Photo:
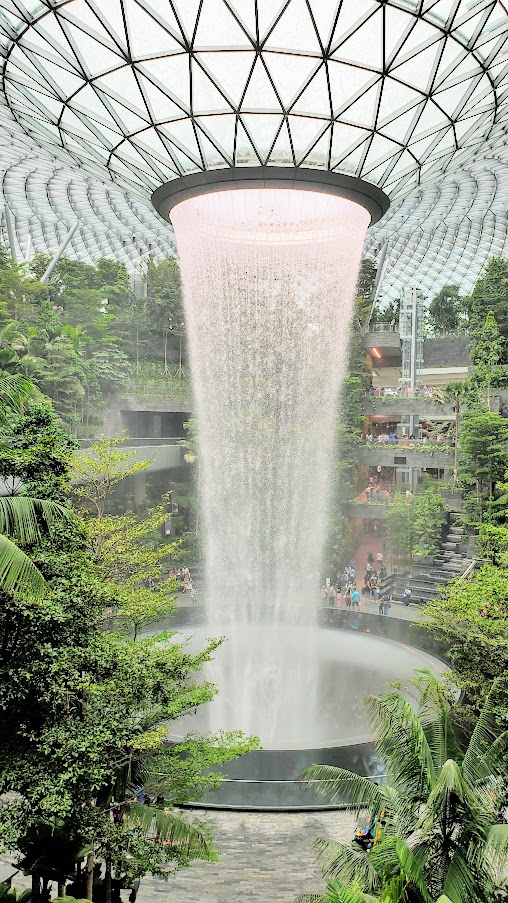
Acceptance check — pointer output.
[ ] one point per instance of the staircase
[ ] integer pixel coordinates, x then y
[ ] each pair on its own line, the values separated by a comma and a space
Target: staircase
428, 575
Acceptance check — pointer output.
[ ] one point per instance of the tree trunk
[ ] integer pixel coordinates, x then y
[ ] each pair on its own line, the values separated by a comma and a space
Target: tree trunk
456, 457
90, 862
36, 887
61, 888
107, 880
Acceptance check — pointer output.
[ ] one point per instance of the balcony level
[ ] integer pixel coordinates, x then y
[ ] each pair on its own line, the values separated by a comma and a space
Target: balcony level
382, 343
430, 456
392, 404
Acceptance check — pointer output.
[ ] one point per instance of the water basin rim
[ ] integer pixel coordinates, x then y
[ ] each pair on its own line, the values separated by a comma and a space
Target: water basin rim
369, 196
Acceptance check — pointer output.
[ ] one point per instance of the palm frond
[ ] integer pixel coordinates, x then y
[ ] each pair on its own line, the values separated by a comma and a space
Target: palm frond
496, 847
18, 574
336, 893
15, 389
345, 862
171, 828
312, 898
392, 856
486, 751
402, 743
340, 785
22, 517
444, 899
461, 884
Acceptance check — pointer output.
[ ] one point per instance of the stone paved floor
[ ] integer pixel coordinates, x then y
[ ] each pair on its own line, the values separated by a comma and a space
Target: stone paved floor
265, 858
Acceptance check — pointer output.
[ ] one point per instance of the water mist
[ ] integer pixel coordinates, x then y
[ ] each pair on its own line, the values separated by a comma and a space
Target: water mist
269, 278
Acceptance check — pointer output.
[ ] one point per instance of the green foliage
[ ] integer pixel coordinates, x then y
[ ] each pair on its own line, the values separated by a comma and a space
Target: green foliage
471, 617
9, 894
439, 824
445, 310
487, 353
490, 294
400, 532
483, 459
84, 713
102, 468
428, 519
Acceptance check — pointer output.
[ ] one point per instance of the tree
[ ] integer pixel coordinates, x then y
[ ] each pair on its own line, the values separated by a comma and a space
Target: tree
440, 833
164, 294
445, 310
102, 468
456, 392
490, 294
483, 459
488, 351
471, 618
401, 539
83, 725
428, 519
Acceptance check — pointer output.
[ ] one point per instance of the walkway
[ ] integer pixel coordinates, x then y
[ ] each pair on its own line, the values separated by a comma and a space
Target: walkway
265, 858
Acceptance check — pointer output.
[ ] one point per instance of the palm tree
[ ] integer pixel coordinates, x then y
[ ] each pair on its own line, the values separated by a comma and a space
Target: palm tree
21, 518
440, 833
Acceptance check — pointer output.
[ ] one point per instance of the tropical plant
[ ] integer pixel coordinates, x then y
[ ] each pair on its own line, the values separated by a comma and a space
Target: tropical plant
21, 518
456, 392
440, 833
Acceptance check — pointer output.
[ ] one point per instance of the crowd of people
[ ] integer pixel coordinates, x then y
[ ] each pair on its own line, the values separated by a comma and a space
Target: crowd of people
345, 589
404, 441
404, 391
183, 578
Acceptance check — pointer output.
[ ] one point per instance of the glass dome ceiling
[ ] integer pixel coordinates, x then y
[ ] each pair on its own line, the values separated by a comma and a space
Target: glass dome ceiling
144, 91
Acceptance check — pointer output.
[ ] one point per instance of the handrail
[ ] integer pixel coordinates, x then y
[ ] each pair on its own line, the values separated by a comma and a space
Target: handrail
471, 567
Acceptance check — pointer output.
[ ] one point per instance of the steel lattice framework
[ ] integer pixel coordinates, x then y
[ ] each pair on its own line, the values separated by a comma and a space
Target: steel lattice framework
395, 92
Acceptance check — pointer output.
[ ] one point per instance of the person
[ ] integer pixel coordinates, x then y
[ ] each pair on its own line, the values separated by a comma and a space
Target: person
387, 605
374, 591
339, 599
407, 596
368, 493
355, 597
347, 598
383, 573
379, 557
370, 558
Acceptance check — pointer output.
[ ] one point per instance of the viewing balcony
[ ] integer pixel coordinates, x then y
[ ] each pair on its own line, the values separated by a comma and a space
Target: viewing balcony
382, 343
164, 454
414, 454
387, 401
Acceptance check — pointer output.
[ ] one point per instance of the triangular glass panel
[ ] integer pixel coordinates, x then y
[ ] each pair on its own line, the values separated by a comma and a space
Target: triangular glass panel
452, 99
113, 19
171, 74
466, 27
380, 150
422, 147
262, 129
440, 12
294, 30
282, 154
345, 140
217, 28
304, 133
352, 12
124, 88
206, 98
150, 141
65, 82
187, 11
290, 73
352, 162
365, 46
221, 130
94, 56
164, 10
182, 132
396, 97
125, 118
421, 36
483, 91
397, 26
315, 98
463, 71
466, 127
161, 106
260, 94
245, 10
417, 71
363, 111
87, 100
229, 70
346, 82
398, 128
431, 120
324, 13
245, 153
146, 36
318, 156
213, 159
452, 55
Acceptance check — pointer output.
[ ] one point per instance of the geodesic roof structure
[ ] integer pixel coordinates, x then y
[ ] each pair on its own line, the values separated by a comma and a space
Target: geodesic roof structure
144, 91
45, 197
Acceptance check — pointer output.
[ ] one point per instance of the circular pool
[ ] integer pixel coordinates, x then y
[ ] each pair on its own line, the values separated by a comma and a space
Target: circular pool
326, 723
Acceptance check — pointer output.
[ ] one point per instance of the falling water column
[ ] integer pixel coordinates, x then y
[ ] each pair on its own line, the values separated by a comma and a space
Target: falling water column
269, 278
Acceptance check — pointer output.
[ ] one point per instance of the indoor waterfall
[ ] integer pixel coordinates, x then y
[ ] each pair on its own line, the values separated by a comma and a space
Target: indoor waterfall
269, 278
